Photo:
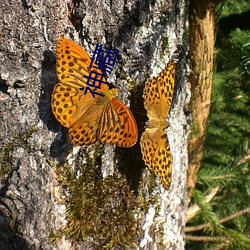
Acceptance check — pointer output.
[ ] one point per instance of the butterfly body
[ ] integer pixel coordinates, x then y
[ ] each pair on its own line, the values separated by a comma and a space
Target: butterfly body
157, 123
89, 117
108, 95
158, 93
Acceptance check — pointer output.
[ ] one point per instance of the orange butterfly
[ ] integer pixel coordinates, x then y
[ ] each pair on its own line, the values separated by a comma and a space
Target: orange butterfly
89, 119
158, 93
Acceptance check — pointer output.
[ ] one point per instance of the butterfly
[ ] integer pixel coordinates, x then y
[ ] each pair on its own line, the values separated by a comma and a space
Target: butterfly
89, 118
157, 94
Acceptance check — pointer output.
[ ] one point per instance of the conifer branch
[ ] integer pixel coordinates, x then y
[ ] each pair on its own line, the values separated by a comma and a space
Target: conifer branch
245, 159
205, 238
194, 209
230, 217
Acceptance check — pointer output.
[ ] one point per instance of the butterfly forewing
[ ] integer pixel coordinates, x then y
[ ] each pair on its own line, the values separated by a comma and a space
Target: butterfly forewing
62, 104
158, 92
73, 65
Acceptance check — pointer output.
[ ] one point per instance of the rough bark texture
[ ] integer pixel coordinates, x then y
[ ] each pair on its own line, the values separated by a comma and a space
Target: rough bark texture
201, 41
147, 34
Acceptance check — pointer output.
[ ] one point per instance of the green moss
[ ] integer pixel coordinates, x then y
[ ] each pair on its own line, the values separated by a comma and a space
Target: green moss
164, 45
28, 133
19, 140
105, 212
129, 83
123, 76
5, 160
195, 129
164, 10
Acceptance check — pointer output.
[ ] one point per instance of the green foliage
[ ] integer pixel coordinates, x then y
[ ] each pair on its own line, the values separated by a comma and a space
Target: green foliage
226, 153
230, 7
207, 211
218, 176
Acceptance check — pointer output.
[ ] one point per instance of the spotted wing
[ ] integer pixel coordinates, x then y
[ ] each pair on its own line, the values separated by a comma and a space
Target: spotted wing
69, 103
156, 154
85, 130
158, 93
117, 125
73, 65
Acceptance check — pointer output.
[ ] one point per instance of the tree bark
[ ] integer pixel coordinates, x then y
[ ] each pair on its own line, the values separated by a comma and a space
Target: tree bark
41, 170
201, 41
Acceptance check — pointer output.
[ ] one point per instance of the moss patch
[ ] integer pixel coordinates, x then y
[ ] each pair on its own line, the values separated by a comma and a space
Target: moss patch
103, 212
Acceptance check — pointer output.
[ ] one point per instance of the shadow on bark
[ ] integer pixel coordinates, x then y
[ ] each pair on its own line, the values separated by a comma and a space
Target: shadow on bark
61, 145
9, 239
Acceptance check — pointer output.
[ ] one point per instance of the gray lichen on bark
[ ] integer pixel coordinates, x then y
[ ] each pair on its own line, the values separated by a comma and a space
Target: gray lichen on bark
147, 34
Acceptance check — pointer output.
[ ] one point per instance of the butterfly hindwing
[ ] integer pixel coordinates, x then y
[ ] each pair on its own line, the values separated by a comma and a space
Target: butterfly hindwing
118, 125
156, 154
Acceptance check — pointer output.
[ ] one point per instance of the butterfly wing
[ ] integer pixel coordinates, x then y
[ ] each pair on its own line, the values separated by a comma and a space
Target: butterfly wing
85, 130
156, 153
69, 103
117, 125
73, 64
158, 93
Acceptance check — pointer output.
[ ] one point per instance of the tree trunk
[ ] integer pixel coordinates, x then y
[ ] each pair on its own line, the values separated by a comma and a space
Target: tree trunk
201, 40
54, 195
